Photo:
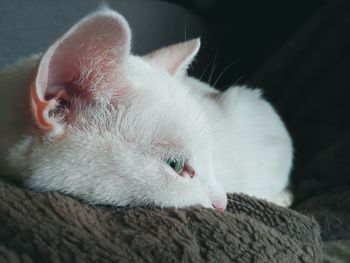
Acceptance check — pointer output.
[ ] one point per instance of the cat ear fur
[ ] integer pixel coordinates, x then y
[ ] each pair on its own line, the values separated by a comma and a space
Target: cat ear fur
80, 64
175, 59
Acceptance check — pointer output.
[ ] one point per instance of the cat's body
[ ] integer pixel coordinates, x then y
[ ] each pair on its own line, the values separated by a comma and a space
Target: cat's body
119, 129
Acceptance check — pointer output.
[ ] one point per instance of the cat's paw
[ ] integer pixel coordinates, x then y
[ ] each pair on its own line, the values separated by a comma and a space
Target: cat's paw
284, 198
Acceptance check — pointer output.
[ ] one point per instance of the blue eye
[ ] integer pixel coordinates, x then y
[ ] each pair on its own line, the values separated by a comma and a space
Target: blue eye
176, 165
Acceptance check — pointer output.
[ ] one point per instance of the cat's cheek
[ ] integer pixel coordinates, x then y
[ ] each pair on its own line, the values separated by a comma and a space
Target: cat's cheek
180, 191
166, 173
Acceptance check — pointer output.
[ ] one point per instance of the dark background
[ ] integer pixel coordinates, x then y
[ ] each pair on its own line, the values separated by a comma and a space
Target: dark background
248, 32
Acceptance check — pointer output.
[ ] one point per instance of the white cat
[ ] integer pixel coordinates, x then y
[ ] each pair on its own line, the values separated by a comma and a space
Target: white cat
92, 120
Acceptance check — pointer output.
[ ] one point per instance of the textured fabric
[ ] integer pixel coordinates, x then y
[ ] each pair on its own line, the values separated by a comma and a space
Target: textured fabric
50, 227
324, 193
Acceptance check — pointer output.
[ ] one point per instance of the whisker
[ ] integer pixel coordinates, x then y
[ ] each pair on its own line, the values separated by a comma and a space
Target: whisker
214, 64
225, 69
222, 95
239, 79
205, 69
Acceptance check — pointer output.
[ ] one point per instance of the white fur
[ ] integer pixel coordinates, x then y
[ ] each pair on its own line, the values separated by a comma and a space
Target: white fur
114, 152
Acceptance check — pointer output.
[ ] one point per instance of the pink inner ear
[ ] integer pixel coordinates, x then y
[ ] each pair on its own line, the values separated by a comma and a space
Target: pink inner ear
87, 61
175, 58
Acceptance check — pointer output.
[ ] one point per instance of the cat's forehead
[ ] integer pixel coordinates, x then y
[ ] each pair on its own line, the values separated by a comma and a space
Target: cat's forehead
160, 116
162, 126
144, 75
167, 120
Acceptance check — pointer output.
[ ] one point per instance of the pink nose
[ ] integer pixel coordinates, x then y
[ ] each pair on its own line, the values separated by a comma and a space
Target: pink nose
220, 205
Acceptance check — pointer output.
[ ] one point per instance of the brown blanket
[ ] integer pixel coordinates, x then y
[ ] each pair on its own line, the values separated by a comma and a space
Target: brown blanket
50, 227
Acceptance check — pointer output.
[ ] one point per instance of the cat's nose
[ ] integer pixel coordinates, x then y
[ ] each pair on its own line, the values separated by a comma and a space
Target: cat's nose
220, 204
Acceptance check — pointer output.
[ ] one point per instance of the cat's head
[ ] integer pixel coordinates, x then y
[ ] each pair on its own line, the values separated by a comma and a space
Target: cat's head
114, 128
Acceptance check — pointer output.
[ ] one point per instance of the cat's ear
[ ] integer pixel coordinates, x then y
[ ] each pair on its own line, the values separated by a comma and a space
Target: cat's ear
175, 58
83, 64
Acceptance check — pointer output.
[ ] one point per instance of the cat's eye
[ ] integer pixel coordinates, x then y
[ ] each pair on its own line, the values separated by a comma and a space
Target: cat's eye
181, 167
176, 164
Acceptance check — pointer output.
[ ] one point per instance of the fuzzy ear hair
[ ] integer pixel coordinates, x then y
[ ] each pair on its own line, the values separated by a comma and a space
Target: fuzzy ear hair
81, 64
175, 58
